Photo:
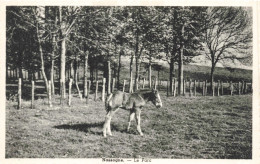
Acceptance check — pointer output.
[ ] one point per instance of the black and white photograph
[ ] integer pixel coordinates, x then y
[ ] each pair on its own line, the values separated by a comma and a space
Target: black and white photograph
127, 84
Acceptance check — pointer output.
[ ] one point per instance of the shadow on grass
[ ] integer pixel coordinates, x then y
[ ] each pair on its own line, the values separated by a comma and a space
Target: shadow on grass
87, 128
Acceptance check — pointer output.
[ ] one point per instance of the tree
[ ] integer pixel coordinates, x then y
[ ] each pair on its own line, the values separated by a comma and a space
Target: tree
87, 33
67, 19
22, 45
39, 25
228, 35
32, 25
52, 18
121, 39
142, 31
181, 31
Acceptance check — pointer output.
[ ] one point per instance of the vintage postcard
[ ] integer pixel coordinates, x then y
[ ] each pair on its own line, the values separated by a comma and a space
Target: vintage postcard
130, 82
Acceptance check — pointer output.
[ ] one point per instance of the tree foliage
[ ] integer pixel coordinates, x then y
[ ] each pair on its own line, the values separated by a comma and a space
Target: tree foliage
228, 35
93, 36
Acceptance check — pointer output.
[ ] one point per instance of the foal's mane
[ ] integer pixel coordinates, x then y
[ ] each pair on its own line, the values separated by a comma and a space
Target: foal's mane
146, 93
144, 90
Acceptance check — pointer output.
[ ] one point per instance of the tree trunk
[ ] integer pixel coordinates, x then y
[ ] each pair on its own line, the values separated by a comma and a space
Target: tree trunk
158, 76
63, 55
85, 91
96, 74
171, 72
63, 67
52, 77
91, 69
71, 69
212, 75
180, 62
150, 74
131, 74
108, 78
6, 72
16, 75
33, 75
115, 70
76, 78
137, 65
20, 72
43, 70
137, 58
42, 62
118, 69
20, 64
52, 65
53, 54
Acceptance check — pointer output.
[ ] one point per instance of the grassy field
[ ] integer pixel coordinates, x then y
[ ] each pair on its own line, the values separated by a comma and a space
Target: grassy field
196, 127
195, 72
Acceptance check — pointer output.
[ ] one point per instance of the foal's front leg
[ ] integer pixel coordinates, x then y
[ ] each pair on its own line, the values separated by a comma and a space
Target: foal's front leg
106, 124
138, 120
131, 117
106, 127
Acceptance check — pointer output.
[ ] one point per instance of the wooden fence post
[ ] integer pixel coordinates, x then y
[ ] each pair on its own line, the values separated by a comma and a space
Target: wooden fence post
70, 84
137, 85
15, 73
175, 85
195, 92
49, 94
155, 83
203, 88
172, 88
206, 88
167, 88
243, 86
190, 88
130, 86
19, 93
218, 87
213, 88
222, 89
113, 84
103, 89
27, 75
61, 93
184, 87
96, 94
88, 83
231, 88
124, 86
32, 102
143, 82
12, 74
239, 88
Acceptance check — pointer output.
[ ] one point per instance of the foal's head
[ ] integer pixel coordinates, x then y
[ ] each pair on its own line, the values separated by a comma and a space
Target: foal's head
156, 99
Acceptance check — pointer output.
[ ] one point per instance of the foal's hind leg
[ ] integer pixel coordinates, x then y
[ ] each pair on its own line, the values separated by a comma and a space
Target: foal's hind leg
138, 121
131, 117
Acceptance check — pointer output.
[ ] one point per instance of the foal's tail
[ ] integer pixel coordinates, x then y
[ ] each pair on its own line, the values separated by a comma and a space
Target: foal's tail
107, 106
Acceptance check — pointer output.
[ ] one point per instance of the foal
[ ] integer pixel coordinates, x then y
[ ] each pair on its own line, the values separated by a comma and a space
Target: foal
133, 102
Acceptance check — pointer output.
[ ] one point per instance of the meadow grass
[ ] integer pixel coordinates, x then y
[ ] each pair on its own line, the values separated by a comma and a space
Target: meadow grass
196, 72
185, 127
